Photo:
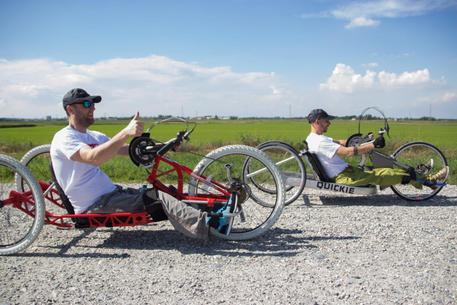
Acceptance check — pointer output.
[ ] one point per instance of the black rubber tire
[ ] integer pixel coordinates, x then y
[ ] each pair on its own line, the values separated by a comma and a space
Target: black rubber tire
30, 157
300, 165
271, 213
397, 188
12, 219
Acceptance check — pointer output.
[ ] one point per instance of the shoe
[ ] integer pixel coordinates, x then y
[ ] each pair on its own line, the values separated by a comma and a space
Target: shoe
439, 176
222, 219
436, 180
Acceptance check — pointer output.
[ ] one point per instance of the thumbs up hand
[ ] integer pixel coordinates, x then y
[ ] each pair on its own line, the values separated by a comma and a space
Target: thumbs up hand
135, 126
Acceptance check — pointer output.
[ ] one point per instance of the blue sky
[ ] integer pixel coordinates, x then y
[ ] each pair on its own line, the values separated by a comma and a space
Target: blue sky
244, 58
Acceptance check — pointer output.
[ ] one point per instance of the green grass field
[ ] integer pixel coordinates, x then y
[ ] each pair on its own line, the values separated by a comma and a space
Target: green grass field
15, 141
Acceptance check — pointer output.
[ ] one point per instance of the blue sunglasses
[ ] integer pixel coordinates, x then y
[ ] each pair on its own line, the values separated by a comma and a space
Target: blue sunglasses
85, 103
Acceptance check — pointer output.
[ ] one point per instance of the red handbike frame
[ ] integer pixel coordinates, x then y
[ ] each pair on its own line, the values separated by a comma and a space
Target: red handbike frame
24, 200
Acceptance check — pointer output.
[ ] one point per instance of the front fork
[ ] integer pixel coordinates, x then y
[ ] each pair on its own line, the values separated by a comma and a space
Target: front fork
236, 187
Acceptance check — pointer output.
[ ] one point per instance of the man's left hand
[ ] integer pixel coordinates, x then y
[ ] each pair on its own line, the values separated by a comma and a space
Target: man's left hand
379, 142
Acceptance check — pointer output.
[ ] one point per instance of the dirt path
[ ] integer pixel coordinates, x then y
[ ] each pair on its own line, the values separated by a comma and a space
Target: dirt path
335, 250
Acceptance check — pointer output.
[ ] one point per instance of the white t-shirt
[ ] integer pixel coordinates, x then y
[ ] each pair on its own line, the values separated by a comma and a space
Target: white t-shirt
325, 149
82, 183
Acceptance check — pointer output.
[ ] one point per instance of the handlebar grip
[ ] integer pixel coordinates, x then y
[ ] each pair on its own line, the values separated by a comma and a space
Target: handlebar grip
186, 135
172, 144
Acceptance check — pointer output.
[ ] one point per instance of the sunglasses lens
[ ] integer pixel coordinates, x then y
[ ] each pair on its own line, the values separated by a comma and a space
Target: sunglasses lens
87, 104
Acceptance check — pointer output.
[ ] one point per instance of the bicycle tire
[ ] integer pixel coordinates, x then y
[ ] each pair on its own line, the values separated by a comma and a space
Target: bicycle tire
297, 171
11, 216
29, 158
397, 189
239, 232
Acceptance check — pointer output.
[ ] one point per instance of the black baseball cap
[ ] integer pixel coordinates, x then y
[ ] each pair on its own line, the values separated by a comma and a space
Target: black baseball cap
77, 95
316, 114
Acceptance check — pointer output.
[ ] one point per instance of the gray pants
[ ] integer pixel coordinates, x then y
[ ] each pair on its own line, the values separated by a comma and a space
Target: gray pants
184, 218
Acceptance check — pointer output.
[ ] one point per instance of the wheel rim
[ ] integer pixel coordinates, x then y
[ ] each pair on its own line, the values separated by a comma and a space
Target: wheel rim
426, 160
39, 167
291, 168
15, 225
258, 206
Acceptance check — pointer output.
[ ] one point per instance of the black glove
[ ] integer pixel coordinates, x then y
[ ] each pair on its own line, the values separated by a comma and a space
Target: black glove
379, 142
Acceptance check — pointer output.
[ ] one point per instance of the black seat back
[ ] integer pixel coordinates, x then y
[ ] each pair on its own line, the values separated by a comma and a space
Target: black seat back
79, 222
317, 166
65, 201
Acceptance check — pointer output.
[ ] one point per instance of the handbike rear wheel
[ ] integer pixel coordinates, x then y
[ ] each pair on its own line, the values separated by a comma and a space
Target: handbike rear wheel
426, 160
21, 214
37, 161
252, 219
290, 165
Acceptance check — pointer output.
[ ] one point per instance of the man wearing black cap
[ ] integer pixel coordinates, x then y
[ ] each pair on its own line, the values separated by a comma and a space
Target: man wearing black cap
76, 154
330, 153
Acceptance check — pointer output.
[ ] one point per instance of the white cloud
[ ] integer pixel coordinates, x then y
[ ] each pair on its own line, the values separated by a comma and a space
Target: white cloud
361, 21
405, 94
160, 85
368, 13
450, 96
344, 79
371, 65
387, 79
275, 91
153, 85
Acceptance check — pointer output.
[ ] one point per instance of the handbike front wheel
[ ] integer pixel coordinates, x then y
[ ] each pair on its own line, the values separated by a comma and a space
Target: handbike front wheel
21, 214
426, 160
226, 165
290, 165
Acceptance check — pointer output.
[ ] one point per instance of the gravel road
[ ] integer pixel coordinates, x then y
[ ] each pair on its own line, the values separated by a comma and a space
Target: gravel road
332, 250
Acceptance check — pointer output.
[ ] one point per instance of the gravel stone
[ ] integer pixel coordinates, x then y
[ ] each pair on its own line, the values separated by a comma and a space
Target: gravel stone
324, 249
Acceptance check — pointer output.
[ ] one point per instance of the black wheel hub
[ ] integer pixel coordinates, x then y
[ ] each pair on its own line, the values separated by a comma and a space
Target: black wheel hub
241, 189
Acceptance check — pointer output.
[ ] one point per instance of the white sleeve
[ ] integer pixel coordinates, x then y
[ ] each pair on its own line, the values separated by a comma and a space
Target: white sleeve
70, 144
328, 148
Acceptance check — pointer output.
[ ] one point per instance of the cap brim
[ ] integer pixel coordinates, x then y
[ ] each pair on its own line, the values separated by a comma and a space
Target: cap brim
323, 117
94, 98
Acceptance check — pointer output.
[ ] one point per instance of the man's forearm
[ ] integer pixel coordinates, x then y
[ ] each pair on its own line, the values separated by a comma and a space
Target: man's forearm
116, 145
103, 152
365, 148
124, 150
351, 151
341, 142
